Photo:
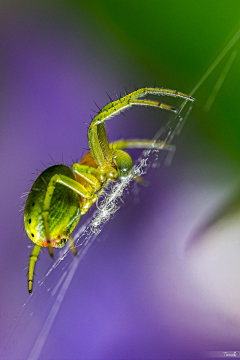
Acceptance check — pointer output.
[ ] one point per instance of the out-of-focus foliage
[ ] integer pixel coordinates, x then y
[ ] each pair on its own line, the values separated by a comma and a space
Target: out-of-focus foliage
176, 41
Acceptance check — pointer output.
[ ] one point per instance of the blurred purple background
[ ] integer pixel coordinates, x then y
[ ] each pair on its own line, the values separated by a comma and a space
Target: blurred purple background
139, 293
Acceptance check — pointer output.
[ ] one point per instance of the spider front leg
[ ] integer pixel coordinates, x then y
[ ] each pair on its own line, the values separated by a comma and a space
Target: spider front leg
150, 91
96, 132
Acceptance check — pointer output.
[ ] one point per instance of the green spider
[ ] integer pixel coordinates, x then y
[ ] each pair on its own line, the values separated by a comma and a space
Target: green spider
59, 196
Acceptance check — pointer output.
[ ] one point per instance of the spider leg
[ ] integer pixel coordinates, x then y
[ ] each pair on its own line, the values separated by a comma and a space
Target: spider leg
159, 91
141, 144
71, 184
85, 169
121, 105
150, 103
88, 172
96, 132
32, 260
72, 246
150, 91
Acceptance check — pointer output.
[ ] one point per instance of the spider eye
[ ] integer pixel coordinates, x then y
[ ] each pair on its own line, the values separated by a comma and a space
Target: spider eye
64, 240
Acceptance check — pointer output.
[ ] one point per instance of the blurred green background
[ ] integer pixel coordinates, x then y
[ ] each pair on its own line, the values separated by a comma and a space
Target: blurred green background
174, 42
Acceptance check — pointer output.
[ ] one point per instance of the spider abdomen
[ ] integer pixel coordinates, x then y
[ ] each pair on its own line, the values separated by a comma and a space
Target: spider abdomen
64, 212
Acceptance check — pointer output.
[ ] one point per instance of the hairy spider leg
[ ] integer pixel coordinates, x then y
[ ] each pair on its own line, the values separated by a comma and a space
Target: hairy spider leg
150, 91
96, 132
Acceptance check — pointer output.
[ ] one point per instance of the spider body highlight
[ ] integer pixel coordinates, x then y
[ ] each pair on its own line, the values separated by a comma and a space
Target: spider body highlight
59, 196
